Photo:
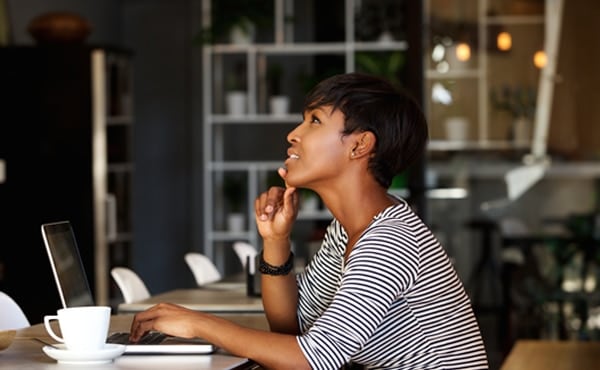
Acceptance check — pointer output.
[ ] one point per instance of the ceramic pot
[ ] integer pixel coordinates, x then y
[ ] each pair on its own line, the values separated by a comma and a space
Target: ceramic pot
521, 130
279, 105
59, 28
236, 103
236, 222
457, 128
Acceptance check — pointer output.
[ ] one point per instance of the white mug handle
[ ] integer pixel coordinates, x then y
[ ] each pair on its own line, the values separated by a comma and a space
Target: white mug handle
47, 320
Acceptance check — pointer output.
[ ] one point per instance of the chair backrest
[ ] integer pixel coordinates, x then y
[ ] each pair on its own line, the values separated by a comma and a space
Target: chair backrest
131, 285
243, 251
203, 269
11, 314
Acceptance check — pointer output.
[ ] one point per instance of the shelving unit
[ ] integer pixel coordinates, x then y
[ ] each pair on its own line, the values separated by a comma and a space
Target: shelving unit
113, 80
265, 131
471, 82
66, 146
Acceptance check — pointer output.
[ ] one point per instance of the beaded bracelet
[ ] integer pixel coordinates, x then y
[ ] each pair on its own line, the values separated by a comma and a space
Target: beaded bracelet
267, 269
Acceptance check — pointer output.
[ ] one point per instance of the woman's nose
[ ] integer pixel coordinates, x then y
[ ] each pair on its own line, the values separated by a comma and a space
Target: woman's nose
293, 135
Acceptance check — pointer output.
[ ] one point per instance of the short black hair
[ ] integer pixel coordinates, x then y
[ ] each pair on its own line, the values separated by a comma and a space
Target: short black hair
372, 104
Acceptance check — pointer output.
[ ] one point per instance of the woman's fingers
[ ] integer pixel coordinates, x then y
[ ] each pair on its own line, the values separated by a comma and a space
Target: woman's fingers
290, 201
282, 171
267, 204
143, 321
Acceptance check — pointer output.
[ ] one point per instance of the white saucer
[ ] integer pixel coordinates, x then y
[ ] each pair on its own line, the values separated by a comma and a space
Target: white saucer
102, 356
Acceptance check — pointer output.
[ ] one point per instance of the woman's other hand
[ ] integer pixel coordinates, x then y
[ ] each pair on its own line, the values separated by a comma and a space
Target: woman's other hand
276, 210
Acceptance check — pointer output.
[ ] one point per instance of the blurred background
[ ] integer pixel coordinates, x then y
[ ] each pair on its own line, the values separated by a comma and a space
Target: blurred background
155, 82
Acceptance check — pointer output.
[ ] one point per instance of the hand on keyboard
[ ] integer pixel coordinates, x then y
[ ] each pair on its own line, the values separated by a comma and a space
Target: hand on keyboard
151, 337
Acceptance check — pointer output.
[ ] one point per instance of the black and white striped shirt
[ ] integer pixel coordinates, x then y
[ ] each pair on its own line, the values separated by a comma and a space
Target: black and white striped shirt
396, 303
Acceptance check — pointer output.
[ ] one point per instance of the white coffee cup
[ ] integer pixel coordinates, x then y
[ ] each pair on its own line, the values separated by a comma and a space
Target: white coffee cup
83, 328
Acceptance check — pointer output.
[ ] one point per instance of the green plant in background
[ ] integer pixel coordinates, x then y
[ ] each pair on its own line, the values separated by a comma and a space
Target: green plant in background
274, 78
375, 18
386, 65
236, 80
309, 200
273, 179
308, 80
226, 14
519, 101
400, 181
234, 190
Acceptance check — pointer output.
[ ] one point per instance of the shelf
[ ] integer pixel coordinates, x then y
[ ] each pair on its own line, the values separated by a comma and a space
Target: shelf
89, 128
315, 215
226, 65
453, 74
497, 169
252, 119
124, 120
308, 48
506, 20
244, 165
465, 89
229, 235
120, 167
447, 145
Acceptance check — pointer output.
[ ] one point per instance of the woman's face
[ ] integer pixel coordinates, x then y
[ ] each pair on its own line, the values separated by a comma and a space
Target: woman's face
318, 152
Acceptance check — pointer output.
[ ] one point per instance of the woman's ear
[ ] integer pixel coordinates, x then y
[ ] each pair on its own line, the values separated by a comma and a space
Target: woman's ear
364, 144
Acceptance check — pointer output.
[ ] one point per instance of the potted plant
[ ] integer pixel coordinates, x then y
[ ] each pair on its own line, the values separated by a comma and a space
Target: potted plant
386, 65
278, 102
519, 102
234, 192
309, 200
235, 21
455, 119
235, 94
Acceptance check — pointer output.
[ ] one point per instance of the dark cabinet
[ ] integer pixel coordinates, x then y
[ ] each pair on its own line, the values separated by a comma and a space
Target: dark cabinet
57, 107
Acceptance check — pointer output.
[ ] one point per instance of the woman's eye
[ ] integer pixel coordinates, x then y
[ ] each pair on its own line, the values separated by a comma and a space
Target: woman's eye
314, 119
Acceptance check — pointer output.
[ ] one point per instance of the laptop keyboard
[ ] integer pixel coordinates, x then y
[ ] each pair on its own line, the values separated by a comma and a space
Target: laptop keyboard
151, 337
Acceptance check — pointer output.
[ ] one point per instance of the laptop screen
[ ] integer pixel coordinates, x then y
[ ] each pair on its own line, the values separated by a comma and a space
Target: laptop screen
74, 290
66, 263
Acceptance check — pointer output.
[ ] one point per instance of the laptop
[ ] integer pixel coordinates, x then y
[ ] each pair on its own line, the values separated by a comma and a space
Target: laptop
74, 290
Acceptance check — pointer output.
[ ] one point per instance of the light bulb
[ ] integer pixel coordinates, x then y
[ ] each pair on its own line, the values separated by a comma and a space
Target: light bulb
463, 52
540, 59
504, 41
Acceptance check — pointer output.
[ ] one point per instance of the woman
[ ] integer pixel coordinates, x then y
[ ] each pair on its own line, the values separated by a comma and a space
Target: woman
381, 291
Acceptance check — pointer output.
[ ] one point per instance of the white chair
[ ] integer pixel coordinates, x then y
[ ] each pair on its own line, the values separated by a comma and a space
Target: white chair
131, 285
11, 314
243, 251
203, 269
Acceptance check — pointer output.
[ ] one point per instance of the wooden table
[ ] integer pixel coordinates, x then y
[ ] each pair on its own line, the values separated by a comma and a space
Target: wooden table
26, 351
553, 355
221, 298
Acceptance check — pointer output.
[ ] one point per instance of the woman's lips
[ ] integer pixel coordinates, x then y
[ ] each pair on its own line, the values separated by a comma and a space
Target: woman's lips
291, 157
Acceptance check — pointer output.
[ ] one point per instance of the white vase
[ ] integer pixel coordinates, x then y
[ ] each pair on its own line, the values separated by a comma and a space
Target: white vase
236, 103
242, 34
236, 222
457, 128
521, 130
309, 203
279, 105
